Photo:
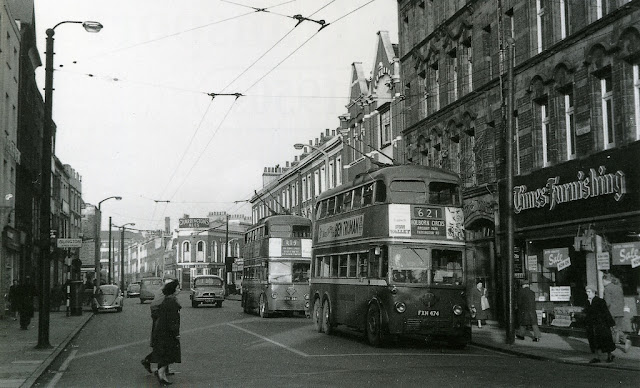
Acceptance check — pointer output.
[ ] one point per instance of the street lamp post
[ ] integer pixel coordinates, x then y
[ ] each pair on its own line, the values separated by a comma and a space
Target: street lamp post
122, 254
300, 146
96, 240
44, 300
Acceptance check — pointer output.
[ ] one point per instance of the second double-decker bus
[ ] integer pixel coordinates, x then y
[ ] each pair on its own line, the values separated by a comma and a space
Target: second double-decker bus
277, 258
388, 256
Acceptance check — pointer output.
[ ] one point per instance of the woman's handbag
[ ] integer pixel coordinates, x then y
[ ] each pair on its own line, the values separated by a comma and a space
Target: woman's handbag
484, 302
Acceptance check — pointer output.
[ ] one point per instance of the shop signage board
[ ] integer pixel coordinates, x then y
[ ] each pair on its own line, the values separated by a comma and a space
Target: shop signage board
564, 264
191, 223
603, 261
601, 185
626, 254
532, 263
560, 294
518, 270
553, 257
69, 243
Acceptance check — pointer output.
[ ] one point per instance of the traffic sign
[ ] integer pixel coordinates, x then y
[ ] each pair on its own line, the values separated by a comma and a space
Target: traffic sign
69, 243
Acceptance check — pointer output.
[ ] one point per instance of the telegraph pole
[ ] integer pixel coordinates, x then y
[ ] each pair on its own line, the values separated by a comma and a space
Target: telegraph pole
509, 195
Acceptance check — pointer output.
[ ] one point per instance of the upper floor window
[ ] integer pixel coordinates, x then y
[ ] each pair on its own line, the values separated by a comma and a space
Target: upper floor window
543, 114
433, 91
636, 97
186, 251
385, 128
564, 17
570, 125
540, 24
200, 251
606, 89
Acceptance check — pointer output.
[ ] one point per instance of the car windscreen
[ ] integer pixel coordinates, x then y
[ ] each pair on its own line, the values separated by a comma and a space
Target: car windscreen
208, 282
109, 290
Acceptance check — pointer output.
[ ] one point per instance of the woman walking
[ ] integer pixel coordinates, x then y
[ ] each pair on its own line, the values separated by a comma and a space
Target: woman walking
479, 302
166, 333
598, 322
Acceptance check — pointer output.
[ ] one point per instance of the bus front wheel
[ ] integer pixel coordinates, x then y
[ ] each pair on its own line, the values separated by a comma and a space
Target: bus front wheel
263, 307
326, 317
317, 315
374, 326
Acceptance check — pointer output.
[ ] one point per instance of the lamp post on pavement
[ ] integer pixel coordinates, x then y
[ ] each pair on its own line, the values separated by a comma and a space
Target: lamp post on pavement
45, 197
300, 146
96, 253
122, 254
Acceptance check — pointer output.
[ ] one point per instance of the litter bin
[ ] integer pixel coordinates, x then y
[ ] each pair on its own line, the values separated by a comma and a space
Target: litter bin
76, 297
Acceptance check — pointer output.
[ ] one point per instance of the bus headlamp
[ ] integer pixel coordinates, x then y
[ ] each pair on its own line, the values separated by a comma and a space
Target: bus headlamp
473, 312
306, 296
401, 307
457, 310
274, 295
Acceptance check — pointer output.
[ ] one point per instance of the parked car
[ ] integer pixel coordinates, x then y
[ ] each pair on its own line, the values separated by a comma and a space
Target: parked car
108, 298
149, 287
133, 290
207, 289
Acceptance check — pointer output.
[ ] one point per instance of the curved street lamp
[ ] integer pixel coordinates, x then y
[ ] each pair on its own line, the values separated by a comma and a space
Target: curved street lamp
98, 221
44, 301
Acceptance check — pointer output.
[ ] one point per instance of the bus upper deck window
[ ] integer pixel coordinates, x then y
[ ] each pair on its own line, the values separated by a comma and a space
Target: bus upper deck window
357, 197
381, 192
408, 191
301, 231
321, 210
348, 197
442, 193
331, 206
368, 194
339, 203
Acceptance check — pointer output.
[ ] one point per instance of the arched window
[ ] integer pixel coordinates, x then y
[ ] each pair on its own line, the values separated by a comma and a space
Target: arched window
200, 251
186, 251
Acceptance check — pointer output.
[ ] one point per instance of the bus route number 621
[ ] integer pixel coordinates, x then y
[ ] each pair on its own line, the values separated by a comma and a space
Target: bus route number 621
428, 313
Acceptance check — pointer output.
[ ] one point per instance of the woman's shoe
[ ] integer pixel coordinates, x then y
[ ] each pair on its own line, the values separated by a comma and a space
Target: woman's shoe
610, 358
161, 380
146, 364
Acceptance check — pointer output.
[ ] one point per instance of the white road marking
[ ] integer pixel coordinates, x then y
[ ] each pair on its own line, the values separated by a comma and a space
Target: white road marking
62, 369
303, 354
27, 362
398, 354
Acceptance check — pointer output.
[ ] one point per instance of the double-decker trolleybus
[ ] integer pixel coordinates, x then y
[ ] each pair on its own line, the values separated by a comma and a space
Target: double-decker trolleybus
277, 258
388, 256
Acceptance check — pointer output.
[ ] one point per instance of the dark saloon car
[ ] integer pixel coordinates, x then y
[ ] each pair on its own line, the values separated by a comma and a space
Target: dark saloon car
133, 290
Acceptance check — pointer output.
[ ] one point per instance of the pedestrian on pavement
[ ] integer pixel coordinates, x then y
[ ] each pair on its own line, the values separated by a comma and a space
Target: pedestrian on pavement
155, 305
26, 293
527, 313
614, 298
13, 300
480, 303
598, 322
166, 334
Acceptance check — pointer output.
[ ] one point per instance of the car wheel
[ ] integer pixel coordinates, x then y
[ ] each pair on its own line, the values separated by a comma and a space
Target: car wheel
317, 315
219, 304
327, 317
194, 304
245, 306
141, 301
263, 307
119, 309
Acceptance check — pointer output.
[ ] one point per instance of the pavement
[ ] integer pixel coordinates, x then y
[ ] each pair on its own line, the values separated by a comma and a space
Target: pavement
553, 347
21, 363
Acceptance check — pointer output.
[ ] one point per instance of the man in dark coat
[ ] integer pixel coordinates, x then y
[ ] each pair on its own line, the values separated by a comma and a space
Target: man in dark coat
598, 322
26, 293
527, 313
13, 299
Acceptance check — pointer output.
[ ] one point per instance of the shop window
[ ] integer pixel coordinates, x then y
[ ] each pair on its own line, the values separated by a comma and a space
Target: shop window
353, 262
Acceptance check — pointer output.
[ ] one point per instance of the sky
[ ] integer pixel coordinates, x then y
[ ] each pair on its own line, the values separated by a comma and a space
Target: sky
132, 107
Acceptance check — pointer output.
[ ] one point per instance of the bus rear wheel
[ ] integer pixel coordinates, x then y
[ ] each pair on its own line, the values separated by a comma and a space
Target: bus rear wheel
317, 315
245, 306
263, 307
374, 326
327, 328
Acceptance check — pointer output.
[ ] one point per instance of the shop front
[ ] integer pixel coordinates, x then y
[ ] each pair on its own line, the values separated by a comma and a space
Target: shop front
574, 222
